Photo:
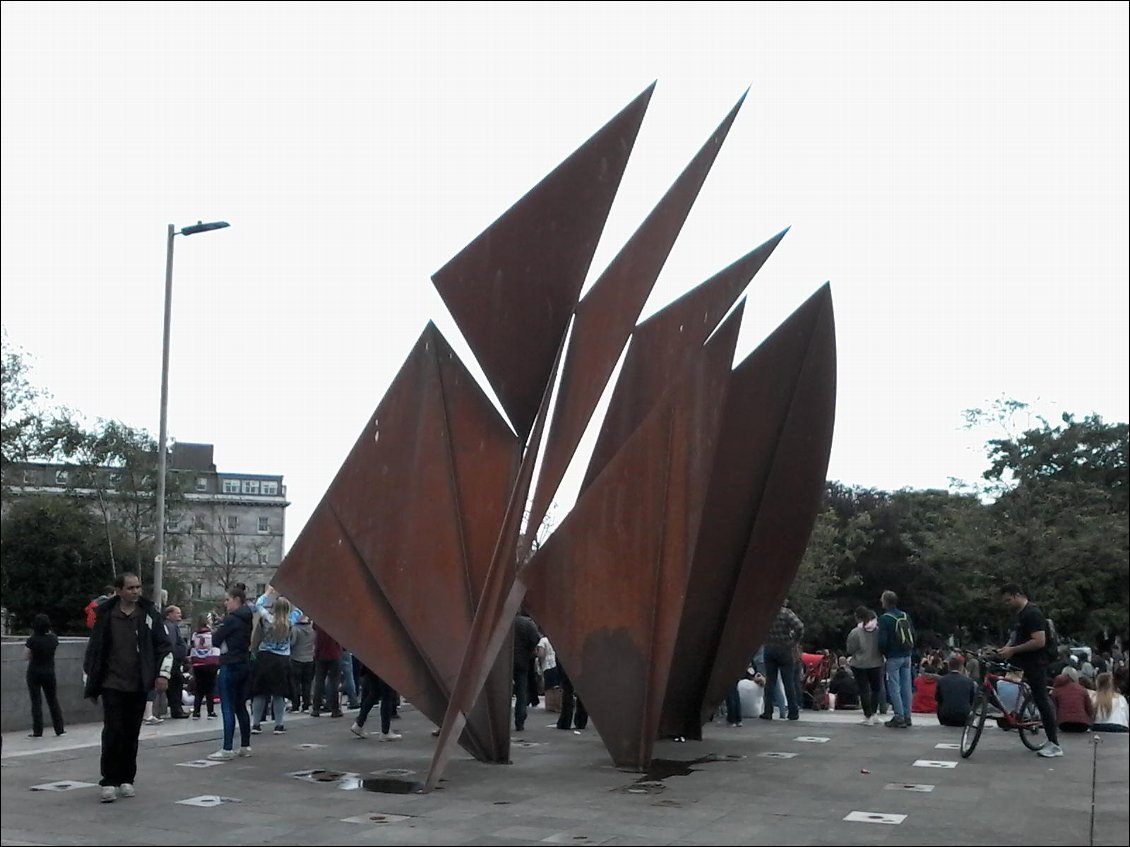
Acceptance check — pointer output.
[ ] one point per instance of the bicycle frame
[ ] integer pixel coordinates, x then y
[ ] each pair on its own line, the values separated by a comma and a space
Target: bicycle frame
1023, 717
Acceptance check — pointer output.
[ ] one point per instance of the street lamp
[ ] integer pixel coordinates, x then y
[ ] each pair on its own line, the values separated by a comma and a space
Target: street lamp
162, 438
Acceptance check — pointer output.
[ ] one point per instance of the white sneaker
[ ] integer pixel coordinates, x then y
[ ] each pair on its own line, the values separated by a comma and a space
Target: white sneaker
244, 752
109, 793
358, 731
126, 790
390, 736
153, 720
224, 755
1050, 751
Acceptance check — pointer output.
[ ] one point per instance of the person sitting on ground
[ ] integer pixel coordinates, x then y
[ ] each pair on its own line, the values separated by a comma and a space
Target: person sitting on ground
1112, 714
1073, 705
844, 688
953, 694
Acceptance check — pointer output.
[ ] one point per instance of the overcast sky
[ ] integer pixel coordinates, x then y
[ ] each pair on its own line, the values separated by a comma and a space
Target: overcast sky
957, 172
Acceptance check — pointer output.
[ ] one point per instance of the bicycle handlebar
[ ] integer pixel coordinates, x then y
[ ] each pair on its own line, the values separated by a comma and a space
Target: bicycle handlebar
987, 657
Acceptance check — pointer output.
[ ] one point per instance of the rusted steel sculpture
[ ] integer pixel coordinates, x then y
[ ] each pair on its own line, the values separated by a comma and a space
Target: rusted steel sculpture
693, 514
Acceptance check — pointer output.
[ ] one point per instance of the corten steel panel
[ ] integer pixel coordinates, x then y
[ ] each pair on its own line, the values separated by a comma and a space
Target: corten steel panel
794, 474
758, 405
607, 314
513, 289
662, 342
326, 577
607, 586
434, 456
493, 624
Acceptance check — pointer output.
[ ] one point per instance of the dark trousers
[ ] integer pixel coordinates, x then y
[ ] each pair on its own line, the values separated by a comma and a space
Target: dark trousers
779, 661
373, 688
1038, 681
573, 711
301, 681
327, 681
41, 681
205, 676
122, 712
868, 681
521, 697
176, 689
733, 705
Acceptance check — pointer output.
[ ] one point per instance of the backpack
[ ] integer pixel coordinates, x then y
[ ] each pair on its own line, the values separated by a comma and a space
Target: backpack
91, 610
904, 632
1051, 641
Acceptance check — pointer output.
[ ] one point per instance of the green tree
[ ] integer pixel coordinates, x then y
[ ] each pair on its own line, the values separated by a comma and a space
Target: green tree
1061, 521
54, 561
21, 418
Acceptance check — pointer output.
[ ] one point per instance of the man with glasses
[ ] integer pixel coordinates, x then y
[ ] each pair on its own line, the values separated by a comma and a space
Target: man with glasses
128, 654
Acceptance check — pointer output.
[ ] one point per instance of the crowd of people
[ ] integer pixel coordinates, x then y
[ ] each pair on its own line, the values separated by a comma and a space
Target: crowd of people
271, 656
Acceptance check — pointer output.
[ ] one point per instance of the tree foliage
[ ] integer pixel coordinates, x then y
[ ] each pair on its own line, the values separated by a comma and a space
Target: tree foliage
54, 561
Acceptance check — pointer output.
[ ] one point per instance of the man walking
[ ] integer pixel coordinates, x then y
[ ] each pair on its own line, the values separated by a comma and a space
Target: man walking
127, 655
1026, 650
780, 660
896, 642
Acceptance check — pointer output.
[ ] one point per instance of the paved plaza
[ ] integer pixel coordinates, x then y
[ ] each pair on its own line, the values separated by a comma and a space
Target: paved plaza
821, 780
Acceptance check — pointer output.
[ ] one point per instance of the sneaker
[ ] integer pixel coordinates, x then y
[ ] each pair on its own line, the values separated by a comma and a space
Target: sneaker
196, 716
244, 752
222, 755
908, 721
390, 736
894, 722
280, 730
866, 722
766, 717
255, 730
211, 716
1050, 751
126, 790
109, 793
153, 720
337, 714
358, 731
315, 714
435, 732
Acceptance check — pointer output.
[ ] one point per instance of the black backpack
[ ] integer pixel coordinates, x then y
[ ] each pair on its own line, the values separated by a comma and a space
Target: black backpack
1051, 641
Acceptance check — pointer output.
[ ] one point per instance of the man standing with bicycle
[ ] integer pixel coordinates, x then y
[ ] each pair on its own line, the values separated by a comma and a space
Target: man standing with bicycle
1026, 650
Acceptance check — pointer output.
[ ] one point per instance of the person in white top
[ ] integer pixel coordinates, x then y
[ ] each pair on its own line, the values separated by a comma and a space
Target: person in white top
1112, 714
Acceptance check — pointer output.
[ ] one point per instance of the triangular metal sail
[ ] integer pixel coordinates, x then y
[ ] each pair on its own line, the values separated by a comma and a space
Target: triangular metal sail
400, 505
607, 587
608, 313
513, 289
662, 342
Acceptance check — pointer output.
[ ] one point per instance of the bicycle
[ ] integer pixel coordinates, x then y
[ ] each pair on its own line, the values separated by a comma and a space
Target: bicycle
1025, 718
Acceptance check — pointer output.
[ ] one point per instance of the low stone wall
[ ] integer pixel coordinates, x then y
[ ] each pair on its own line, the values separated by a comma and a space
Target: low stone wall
15, 705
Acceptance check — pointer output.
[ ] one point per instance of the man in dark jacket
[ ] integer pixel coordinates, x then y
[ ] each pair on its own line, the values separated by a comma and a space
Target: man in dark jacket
526, 638
127, 655
896, 655
179, 648
954, 694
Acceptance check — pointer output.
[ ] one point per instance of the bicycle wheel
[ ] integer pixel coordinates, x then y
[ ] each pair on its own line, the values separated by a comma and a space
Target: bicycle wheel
1028, 723
974, 723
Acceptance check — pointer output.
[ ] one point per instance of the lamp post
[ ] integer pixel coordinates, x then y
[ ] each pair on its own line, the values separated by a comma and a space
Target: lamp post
162, 437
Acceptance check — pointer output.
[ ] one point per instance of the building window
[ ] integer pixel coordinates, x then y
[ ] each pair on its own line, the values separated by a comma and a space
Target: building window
262, 558
114, 480
270, 488
61, 477
231, 486
201, 483
196, 589
264, 524
233, 521
29, 477
251, 486
172, 523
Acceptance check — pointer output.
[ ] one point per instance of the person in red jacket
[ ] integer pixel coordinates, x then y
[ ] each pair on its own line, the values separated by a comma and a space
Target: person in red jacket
1074, 710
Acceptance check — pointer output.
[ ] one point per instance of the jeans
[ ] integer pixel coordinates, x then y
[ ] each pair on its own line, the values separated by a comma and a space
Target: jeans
899, 689
779, 664
374, 688
521, 697
327, 679
259, 708
733, 705
234, 683
122, 712
348, 684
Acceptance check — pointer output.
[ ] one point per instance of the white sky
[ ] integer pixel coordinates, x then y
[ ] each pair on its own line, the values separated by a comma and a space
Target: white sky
958, 172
